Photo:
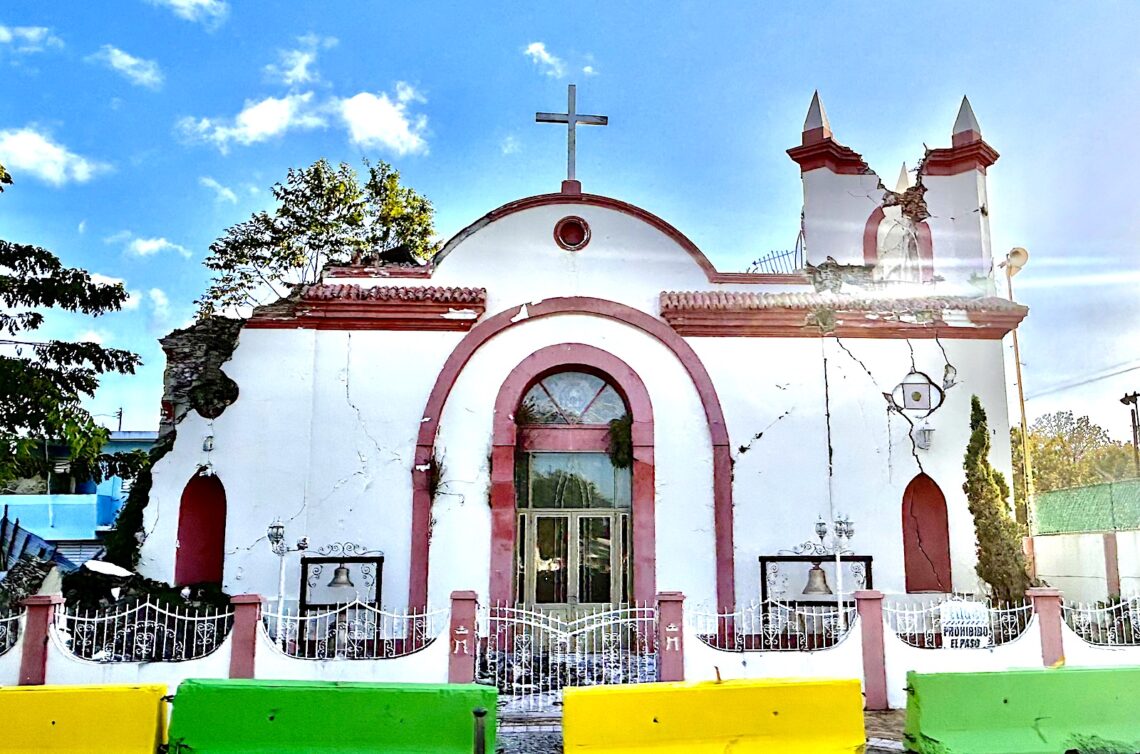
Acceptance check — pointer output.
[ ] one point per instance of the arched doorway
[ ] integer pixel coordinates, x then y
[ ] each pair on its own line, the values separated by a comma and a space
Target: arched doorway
926, 537
200, 549
570, 526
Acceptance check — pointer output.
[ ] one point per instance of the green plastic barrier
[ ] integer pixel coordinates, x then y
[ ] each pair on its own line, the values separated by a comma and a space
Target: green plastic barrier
314, 716
1046, 711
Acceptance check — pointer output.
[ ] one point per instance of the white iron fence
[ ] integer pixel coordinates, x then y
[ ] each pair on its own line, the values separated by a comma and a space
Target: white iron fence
530, 656
354, 631
1109, 625
958, 623
9, 629
773, 626
144, 631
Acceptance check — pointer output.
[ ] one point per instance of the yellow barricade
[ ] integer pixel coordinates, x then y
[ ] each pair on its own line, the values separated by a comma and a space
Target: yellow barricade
742, 716
74, 719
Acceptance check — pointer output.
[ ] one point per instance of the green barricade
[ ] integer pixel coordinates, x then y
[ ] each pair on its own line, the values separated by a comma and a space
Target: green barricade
316, 716
1046, 711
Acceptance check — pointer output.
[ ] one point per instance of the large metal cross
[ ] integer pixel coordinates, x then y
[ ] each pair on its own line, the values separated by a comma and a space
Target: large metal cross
571, 119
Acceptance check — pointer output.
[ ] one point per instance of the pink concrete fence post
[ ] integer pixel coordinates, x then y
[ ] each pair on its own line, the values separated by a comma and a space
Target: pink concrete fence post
1047, 605
243, 648
869, 603
670, 636
37, 624
461, 638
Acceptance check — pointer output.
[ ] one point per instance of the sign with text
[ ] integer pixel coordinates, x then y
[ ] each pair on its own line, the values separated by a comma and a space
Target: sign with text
965, 625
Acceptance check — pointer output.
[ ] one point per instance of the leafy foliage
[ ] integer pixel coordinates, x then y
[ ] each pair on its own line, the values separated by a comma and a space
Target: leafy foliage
43, 382
1068, 451
1001, 563
324, 215
621, 442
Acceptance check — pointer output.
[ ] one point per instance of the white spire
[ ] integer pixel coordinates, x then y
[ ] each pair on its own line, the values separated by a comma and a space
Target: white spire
904, 180
966, 120
817, 116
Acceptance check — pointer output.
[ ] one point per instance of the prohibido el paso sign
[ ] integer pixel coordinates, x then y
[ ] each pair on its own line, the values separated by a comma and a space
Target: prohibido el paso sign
965, 625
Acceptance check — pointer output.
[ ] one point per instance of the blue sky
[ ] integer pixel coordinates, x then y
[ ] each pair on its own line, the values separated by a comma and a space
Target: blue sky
137, 130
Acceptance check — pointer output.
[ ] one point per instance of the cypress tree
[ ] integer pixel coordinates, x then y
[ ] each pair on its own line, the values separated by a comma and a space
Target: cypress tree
1001, 563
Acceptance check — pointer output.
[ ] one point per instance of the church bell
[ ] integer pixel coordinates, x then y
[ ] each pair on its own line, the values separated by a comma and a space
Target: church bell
817, 581
340, 579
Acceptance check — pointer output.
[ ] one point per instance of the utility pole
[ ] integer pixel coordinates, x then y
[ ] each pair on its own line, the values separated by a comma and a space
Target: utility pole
1131, 399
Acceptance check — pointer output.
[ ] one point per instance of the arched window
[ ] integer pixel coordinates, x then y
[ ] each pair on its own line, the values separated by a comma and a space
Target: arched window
926, 537
573, 537
200, 554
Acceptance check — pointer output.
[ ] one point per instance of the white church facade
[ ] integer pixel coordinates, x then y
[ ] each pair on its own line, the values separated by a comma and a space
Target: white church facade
571, 406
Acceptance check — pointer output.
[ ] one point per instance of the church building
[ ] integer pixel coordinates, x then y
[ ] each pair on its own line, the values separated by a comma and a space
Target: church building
571, 406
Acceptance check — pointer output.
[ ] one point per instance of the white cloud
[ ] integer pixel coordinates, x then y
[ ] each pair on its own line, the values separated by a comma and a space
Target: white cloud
296, 66
209, 12
28, 39
134, 298
258, 121
100, 279
509, 145
82, 227
221, 193
92, 336
160, 304
589, 70
551, 65
27, 150
378, 120
138, 71
145, 247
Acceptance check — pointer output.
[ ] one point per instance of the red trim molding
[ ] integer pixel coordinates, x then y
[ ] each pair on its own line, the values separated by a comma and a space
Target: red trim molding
963, 157
351, 307
828, 153
750, 315
503, 493
485, 331
922, 231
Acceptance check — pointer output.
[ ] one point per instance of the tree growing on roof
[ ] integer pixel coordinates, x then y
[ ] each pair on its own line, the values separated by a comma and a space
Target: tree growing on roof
1001, 563
324, 215
44, 381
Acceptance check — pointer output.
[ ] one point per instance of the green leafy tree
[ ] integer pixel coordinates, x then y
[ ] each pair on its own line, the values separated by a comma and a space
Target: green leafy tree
324, 215
1068, 451
43, 382
1001, 563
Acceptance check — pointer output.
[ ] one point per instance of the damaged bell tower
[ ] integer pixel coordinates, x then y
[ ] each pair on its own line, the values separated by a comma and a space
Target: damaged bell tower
933, 235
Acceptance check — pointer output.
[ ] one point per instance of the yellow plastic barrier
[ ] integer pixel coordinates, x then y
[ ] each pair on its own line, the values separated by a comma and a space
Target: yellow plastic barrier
66, 719
741, 716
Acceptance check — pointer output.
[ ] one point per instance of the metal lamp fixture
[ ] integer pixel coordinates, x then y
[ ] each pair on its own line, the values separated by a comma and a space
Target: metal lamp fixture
923, 436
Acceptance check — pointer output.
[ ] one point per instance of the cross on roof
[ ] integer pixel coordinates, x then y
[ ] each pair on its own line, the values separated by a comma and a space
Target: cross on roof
571, 119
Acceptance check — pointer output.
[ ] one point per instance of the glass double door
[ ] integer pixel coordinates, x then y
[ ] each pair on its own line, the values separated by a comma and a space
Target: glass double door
573, 535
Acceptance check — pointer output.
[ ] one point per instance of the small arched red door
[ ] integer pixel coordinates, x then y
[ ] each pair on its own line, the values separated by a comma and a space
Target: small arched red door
926, 537
201, 544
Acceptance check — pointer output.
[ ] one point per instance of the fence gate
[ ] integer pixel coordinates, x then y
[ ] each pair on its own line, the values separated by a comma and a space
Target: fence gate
531, 656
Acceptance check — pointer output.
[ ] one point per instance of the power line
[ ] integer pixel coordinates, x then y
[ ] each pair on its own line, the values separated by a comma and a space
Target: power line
1086, 381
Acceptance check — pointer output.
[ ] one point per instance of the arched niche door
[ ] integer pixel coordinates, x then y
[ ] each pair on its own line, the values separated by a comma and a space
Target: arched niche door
200, 551
926, 537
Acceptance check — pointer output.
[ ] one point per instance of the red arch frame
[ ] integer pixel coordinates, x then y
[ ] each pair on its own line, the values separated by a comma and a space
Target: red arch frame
570, 356
926, 543
200, 554
922, 231
492, 326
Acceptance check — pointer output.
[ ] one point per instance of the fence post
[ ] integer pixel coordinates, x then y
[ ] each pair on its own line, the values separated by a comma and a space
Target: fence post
869, 603
243, 649
461, 657
670, 636
1047, 605
37, 623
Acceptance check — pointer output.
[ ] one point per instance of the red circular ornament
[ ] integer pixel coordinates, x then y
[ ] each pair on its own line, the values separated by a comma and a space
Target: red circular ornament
572, 233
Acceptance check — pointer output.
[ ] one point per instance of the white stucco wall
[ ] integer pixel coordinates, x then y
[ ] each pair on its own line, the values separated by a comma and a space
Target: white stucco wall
10, 660
844, 660
1128, 558
323, 432
1073, 563
781, 485
64, 668
1024, 652
1079, 653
